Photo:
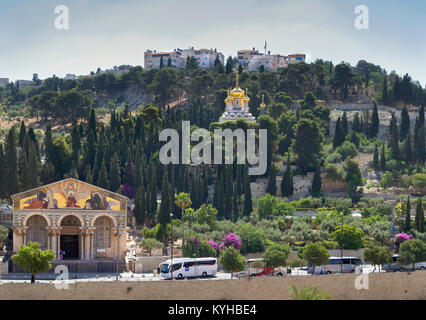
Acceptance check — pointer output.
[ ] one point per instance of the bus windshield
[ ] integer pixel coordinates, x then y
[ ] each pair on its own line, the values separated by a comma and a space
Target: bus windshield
164, 268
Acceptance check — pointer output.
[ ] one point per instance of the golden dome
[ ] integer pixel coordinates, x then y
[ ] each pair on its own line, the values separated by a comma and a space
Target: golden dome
246, 98
262, 105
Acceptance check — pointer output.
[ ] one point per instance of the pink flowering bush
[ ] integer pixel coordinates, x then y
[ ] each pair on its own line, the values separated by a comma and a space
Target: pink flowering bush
213, 244
231, 239
401, 237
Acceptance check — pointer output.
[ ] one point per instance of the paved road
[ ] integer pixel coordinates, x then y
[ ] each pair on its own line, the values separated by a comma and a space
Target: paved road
125, 276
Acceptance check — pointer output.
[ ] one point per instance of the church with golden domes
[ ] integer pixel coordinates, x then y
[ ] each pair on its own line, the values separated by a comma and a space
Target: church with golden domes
237, 105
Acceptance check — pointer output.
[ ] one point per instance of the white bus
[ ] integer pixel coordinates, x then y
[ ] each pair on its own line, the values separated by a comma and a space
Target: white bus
350, 264
188, 267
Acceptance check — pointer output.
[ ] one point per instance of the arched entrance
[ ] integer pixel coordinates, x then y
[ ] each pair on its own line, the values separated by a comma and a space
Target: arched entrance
36, 230
69, 238
102, 236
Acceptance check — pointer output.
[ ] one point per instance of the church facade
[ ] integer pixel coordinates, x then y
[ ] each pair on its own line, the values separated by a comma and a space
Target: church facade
77, 220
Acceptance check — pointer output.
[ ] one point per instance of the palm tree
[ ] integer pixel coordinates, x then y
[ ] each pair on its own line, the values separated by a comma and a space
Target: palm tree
183, 201
308, 293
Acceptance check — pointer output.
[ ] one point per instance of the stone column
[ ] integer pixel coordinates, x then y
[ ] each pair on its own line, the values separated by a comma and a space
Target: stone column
81, 243
87, 245
92, 231
54, 243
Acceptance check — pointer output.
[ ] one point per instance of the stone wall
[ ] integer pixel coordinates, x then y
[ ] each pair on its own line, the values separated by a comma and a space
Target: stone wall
388, 286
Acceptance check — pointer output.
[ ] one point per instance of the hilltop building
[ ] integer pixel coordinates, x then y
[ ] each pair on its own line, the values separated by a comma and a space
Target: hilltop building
4, 82
86, 222
178, 57
253, 60
237, 105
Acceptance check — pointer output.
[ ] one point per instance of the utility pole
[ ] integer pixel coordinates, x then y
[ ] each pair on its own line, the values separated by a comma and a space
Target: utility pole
341, 245
171, 248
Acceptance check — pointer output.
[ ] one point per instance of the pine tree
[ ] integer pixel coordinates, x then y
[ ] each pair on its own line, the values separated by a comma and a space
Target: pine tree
383, 158
11, 163
405, 123
420, 216
407, 224
248, 205
272, 183
316, 182
235, 212
139, 211
376, 165
374, 124
287, 182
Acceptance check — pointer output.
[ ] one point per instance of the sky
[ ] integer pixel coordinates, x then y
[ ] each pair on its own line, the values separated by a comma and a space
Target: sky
107, 33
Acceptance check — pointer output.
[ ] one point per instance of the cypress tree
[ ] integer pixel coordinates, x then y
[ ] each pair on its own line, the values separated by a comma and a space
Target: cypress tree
385, 94
408, 150
376, 165
248, 205
139, 211
114, 174
164, 213
357, 125
92, 125
235, 213
338, 134
2, 173
153, 192
316, 182
22, 134
383, 158
420, 216
405, 123
11, 163
33, 168
344, 124
394, 138
76, 142
287, 182
272, 183
88, 178
228, 191
102, 181
374, 124
407, 224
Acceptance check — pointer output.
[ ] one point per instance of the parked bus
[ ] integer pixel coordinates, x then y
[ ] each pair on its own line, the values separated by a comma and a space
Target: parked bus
260, 271
188, 267
350, 264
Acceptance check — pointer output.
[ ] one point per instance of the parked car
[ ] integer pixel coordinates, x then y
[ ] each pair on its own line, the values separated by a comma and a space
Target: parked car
260, 271
396, 266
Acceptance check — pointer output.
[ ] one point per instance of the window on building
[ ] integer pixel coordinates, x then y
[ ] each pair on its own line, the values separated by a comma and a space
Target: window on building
103, 227
36, 231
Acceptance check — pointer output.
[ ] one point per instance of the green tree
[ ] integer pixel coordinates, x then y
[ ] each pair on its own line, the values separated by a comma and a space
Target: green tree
272, 183
114, 174
32, 259
149, 244
353, 179
308, 143
231, 260
377, 255
393, 143
252, 238
407, 223
420, 216
376, 165
412, 251
248, 205
275, 255
316, 183
287, 181
207, 214
164, 214
315, 254
183, 201
405, 123
374, 125
348, 237
383, 158
11, 163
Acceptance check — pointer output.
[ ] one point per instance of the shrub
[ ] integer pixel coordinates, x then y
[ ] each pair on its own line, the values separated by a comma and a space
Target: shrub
347, 150
229, 240
335, 157
151, 233
197, 247
419, 180
150, 243
232, 260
